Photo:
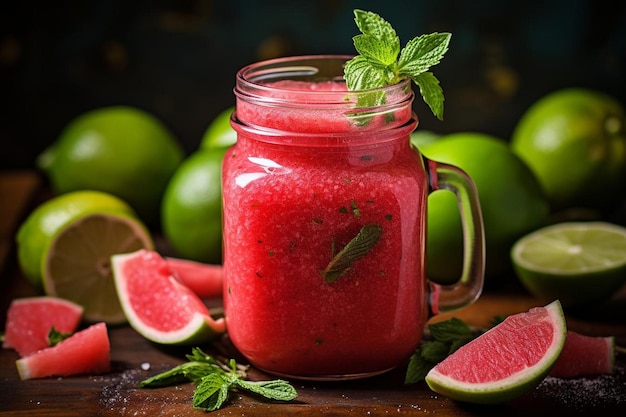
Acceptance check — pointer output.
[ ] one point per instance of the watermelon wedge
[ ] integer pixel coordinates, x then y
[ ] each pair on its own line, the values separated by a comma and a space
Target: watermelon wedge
585, 356
504, 362
85, 352
203, 279
157, 305
29, 321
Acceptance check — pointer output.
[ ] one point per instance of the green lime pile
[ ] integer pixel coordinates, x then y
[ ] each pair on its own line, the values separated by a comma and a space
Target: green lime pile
567, 152
574, 141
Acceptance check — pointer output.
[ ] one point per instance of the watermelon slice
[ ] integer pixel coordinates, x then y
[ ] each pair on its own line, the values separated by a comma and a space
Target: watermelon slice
29, 321
203, 279
585, 356
85, 352
504, 362
157, 305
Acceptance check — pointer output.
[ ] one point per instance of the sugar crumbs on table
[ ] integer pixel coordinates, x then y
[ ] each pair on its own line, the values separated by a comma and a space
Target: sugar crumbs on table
600, 391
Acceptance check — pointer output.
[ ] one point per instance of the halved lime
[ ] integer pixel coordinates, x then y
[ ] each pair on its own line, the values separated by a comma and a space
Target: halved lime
578, 263
76, 265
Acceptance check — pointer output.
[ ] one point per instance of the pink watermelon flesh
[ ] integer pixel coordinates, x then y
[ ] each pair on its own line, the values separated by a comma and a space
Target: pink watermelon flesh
517, 343
29, 321
585, 356
203, 279
85, 352
167, 305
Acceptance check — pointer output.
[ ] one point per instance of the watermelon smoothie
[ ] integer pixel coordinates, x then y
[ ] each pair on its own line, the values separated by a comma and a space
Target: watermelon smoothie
309, 175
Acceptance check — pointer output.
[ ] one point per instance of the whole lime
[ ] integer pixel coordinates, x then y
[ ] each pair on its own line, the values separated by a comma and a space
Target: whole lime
191, 212
511, 200
119, 150
220, 133
574, 140
421, 138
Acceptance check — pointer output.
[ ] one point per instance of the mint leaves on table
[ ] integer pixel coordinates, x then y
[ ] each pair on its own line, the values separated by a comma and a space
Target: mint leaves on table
378, 64
214, 380
55, 336
446, 337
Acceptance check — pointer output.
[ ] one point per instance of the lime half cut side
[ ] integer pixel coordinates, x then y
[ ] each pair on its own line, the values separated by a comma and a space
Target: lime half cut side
77, 265
578, 263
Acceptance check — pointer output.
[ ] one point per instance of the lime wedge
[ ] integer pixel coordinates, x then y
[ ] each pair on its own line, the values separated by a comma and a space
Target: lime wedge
77, 267
578, 263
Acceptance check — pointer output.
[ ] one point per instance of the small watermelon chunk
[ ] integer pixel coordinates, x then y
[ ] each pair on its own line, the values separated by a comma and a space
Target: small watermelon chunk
585, 356
203, 279
157, 305
29, 321
85, 352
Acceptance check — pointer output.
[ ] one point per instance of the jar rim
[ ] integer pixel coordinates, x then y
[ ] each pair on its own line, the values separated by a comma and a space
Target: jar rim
257, 81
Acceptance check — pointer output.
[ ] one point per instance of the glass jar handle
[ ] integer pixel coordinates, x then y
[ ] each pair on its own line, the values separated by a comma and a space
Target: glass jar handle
468, 288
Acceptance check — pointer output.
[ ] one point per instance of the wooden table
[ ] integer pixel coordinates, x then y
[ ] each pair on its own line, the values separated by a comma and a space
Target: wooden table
134, 359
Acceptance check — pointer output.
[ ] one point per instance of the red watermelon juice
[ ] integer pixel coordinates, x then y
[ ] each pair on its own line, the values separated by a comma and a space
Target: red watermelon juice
324, 219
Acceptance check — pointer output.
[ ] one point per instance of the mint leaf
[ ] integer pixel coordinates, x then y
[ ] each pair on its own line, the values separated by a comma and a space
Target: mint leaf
435, 350
378, 64
274, 390
450, 330
211, 393
342, 262
418, 368
431, 92
55, 336
378, 42
423, 52
364, 74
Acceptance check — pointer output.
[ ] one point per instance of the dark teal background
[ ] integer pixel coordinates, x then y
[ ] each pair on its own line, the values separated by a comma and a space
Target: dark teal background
177, 59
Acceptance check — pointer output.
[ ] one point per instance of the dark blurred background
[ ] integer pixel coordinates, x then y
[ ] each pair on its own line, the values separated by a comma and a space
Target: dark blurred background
177, 59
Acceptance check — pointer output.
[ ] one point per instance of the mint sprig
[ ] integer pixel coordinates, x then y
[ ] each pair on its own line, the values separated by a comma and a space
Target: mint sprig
55, 336
445, 338
215, 379
382, 62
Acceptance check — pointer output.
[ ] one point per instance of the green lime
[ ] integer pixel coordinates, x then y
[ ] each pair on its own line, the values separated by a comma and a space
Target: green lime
421, 138
219, 134
118, 150
579, 263
511, 201
574, 140
192, 207
66, 243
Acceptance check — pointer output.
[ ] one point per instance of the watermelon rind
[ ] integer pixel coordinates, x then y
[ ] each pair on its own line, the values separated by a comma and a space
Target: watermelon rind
513, 386
200, 328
